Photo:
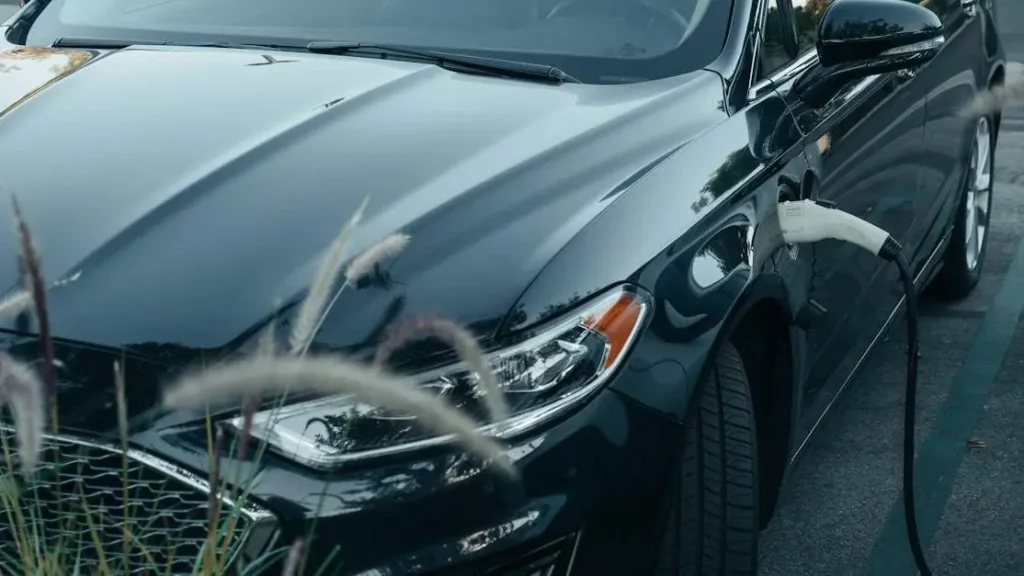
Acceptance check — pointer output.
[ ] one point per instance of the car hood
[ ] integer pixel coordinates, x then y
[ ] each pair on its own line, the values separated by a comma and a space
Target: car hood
182, 193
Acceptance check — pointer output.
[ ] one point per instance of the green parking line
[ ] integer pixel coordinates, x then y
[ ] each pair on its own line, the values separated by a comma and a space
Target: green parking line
940, 455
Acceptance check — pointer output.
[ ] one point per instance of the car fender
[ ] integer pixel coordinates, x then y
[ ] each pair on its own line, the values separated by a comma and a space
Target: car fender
698, 232
669, 363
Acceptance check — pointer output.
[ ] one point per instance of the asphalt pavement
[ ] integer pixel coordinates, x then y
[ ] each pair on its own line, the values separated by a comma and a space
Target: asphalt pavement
841, 511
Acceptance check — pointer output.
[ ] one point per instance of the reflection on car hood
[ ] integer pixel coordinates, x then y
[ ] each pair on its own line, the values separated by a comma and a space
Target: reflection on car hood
187, 190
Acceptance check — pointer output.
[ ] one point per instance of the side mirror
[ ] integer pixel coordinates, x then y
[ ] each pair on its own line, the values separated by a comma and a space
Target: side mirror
860, 38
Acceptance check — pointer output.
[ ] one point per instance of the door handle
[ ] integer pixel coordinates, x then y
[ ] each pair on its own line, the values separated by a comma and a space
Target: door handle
970, 7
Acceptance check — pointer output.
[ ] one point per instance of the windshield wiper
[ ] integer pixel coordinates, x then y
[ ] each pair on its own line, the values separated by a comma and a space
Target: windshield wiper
117, 43
447, 60
450, 61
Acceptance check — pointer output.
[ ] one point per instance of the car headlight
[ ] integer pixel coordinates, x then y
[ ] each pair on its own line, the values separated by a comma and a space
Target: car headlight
544, 375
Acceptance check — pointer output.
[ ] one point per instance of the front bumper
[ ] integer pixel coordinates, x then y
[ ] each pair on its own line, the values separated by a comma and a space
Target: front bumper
589, 497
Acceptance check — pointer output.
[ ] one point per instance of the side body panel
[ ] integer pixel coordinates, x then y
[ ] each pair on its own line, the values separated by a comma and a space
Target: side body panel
865, 149
952, 79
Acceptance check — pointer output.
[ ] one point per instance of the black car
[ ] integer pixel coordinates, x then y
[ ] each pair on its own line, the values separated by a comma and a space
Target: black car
184, 164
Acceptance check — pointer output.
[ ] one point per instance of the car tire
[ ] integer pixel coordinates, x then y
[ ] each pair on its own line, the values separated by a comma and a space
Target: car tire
712, 526
968, 243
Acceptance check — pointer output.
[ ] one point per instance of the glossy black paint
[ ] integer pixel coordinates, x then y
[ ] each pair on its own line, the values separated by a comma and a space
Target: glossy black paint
184, 213
854, 30
857, 39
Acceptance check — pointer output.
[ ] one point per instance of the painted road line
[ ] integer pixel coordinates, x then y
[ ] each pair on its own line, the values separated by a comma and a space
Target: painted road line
941, 453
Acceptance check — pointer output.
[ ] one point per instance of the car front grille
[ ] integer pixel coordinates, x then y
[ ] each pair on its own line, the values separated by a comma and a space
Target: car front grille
77, 511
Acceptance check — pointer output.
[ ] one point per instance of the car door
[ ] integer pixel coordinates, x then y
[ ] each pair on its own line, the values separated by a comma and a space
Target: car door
953, 76
865, 148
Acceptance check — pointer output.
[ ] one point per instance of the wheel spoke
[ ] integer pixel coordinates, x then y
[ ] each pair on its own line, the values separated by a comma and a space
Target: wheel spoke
984, 142
970, 219
979, 192
981, 216
983, 159
972, 247
981, 200
982, 177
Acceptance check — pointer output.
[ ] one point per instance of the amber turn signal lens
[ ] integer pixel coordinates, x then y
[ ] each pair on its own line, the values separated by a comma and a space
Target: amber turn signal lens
617, 323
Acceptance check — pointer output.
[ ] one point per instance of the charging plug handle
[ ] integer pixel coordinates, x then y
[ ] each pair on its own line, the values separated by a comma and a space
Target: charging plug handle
809, 221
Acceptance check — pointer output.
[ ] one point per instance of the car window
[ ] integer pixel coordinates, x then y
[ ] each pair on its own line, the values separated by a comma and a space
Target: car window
808, 15
598, 41
773, 49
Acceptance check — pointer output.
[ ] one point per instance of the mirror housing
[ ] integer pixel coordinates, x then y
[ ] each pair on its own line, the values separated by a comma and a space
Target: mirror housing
860, 38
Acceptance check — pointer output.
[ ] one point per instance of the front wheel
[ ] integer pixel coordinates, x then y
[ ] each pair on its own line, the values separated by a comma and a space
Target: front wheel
961, 268
712, 527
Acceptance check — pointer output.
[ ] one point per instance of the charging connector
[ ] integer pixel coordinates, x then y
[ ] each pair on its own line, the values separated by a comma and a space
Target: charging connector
809, 221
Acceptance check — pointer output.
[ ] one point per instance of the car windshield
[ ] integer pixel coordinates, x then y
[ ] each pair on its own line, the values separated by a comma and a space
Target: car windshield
597, 41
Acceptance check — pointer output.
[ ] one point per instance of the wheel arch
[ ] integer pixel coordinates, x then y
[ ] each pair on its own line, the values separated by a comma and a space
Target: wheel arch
761, 327
997, 78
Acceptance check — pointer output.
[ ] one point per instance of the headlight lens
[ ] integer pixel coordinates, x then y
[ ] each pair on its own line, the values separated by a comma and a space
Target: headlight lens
543, 376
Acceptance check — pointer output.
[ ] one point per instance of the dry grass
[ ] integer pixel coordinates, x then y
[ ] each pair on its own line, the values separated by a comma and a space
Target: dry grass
244, 381
1007, 95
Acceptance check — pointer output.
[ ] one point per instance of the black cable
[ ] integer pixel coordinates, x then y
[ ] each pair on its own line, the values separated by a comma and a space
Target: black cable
809, 221
910, 415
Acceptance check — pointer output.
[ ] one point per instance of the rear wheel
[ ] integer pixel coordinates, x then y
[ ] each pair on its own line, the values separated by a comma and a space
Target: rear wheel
961, 268
712, 528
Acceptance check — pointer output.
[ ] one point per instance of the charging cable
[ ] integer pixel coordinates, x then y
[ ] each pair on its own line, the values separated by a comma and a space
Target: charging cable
809, 221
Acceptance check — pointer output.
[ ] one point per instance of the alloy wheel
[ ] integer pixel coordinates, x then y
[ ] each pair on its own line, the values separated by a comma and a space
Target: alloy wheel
979, 193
